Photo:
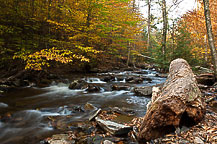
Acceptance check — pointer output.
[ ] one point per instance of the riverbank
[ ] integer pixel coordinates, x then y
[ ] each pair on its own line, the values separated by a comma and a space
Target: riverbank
56, 109
203, 132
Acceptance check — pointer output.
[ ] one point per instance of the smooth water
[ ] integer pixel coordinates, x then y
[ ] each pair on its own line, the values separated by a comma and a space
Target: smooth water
26, 113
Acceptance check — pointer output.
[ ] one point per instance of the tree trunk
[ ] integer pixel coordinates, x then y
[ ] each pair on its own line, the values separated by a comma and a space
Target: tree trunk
149, 24
210, 35
164, 35
178, 104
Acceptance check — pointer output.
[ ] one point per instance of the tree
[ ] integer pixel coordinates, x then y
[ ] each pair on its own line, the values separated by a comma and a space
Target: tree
210, 35
149, 24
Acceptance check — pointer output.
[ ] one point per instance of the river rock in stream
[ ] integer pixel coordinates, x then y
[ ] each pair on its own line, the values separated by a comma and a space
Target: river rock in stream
78, 84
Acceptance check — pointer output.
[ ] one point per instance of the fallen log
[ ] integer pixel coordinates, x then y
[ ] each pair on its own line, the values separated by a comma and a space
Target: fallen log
178, 104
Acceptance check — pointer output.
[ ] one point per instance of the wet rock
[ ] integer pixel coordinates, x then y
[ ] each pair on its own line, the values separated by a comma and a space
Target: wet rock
5, 88
78, 109
120, 78
119, 87
202, 86
19, 83
78, 84
162, 75
206, 79
135, 80
3, 105
143, 91
129, 79
44, 83
141, 72
147, 79
113, 128
203, 69
108, 78
92, 88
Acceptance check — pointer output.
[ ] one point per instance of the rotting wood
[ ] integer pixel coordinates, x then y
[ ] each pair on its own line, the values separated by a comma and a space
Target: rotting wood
179, 103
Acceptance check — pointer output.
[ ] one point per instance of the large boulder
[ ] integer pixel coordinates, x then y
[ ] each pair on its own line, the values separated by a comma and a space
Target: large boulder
178, 104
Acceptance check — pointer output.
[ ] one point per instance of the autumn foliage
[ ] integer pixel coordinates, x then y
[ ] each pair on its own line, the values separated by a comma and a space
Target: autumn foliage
40, 31
196, 26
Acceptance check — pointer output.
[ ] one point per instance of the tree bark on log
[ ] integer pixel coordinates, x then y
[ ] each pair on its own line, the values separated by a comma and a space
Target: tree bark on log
178, 104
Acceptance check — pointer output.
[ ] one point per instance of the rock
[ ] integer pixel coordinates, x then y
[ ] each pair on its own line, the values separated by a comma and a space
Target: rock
92, 88
3, 105
5, 88
97, 139
94, 114
113, 128
60, 139
147, 79
129, 79
203, 69
108, 142
135, 80
141, 72
143, 91
162, 75
108, 78
120, 78
78, 84
179, 104
119, 87
206, 79
202, 86
197, 140
123, 111
44, 83
89, 106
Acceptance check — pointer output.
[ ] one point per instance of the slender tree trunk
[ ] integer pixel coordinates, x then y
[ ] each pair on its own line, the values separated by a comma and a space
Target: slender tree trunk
173, 38
210, 35
149, 25
128, 57
164, 35
206, 50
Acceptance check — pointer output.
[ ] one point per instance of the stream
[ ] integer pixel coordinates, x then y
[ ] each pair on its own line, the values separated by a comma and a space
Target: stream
26, 113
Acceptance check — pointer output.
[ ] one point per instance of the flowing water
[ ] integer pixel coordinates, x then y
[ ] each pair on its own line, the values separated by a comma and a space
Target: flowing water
25, 113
